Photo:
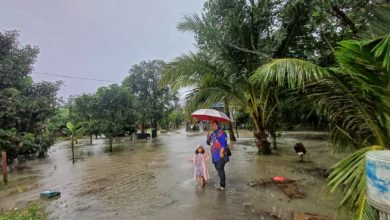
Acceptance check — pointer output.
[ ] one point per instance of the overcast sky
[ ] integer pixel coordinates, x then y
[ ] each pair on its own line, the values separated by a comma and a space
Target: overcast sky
97, 38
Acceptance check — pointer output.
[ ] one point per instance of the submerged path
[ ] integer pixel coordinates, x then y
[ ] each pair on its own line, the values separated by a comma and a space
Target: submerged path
153, 180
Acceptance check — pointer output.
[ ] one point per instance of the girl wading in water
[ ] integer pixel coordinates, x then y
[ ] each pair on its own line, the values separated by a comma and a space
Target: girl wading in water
200, 169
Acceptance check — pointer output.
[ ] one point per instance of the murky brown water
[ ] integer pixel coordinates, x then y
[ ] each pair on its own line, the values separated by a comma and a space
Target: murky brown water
153, 180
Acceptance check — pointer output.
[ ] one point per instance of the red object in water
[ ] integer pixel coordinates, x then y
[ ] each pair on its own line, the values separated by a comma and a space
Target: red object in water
280, 179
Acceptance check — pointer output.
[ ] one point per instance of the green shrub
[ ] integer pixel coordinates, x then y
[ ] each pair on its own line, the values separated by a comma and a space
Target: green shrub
34, 212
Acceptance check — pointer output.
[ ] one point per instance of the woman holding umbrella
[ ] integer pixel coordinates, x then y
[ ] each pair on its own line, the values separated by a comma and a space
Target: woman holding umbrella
217, 140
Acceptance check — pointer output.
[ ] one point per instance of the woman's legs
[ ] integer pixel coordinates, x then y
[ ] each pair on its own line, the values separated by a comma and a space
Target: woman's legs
220, 167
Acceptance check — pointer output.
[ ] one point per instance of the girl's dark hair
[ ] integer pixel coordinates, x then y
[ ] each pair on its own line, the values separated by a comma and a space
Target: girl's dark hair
196, 150
216, 122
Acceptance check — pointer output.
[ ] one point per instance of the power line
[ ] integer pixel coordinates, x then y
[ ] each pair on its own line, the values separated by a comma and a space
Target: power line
74, 77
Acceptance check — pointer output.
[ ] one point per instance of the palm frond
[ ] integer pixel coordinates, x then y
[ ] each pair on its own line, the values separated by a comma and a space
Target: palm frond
367, 212
382, 52
358, 59
189, 70
356, 95
205, 95
206, 76
349, 174
202, 98
353, 118
191, 23
379, 20
289, 72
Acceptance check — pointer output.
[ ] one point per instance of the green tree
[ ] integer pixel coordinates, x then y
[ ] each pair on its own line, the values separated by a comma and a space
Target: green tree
154, 100
235, 37
57, 123
212, 81
117, 111
24, 106
176, 118
85, 109
16, 62
311, 29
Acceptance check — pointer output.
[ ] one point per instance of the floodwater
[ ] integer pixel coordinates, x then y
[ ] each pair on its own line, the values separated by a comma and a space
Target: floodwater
152, 179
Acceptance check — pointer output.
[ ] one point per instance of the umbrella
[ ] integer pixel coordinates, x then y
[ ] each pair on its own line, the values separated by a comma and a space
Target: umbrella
210, 115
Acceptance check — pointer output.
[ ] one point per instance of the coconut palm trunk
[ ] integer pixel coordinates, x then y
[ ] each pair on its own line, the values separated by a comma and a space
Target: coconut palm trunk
262, 143
232, 137
261, 136
259, 131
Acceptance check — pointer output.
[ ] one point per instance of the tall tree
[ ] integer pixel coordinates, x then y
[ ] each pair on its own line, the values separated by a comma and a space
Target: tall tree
16, 62
154, 100
24, 106
86, 113
211, 83
235, 34
117, 110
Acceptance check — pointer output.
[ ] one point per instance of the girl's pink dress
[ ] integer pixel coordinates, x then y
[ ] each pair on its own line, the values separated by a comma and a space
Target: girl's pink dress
200, 168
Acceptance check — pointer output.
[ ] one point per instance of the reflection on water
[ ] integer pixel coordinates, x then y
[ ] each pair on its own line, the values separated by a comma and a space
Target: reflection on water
153, 180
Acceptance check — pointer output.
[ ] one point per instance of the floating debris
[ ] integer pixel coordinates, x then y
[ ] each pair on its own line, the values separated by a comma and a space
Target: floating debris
289, 187
291, 190
50, 194
281, 179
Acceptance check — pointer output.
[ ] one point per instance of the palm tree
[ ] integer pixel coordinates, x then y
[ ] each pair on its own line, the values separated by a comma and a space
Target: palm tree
355, 98
204, 77
213, 80
232, 46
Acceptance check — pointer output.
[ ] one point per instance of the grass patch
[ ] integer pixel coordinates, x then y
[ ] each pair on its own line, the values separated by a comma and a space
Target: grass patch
19, 185
34, 212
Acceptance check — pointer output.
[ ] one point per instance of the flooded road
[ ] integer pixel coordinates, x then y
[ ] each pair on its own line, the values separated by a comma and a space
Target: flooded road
152, 179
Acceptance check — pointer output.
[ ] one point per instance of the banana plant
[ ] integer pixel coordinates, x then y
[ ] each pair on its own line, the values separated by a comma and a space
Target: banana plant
73, 131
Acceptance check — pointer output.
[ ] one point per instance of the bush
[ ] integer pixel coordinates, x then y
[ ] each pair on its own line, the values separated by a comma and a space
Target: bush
34, 212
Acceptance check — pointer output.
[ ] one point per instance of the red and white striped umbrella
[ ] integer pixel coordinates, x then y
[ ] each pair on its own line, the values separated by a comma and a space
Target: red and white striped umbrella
210, 115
